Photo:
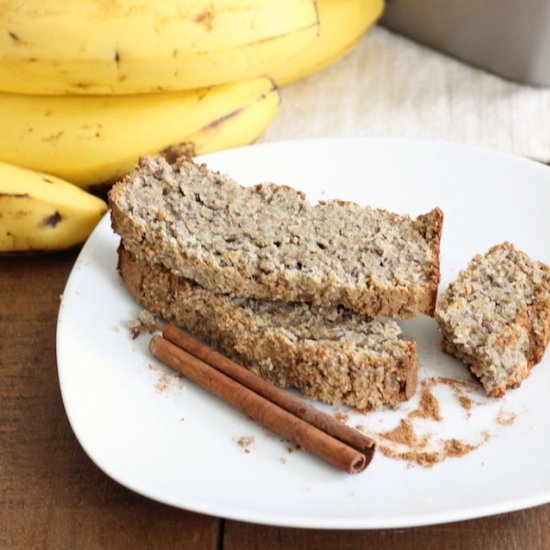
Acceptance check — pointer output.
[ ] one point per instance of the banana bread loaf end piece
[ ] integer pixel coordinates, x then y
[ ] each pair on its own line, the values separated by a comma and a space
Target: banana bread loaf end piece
268, 242
496, 317
329, 353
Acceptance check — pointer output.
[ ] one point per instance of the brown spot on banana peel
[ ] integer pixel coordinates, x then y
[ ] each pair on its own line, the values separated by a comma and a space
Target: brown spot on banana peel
274, 87
16, 39
117, 57
19, 214
205, 19
53, 220
316, 8
53, 137
278, 36
15, 195
221, 120
203, 94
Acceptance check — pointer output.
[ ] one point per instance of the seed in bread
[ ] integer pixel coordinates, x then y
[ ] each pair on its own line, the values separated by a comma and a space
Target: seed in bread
329, 353
496, 317
268, 242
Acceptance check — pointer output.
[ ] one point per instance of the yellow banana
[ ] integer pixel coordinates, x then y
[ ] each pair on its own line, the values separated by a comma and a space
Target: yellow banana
342, 23
96, 139
145, 46
39, 212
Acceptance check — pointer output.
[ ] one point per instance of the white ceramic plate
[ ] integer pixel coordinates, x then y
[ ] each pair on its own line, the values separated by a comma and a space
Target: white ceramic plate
171, 441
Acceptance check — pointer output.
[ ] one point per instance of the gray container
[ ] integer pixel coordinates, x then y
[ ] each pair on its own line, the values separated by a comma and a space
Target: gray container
510, 38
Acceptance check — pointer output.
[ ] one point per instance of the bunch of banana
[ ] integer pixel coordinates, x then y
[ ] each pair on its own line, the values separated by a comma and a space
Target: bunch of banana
87, 87
96, 139
146, 46
39, 212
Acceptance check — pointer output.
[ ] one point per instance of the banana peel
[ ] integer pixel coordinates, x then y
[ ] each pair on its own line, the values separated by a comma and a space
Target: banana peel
41, 213
91, 140
146, 46
342, 23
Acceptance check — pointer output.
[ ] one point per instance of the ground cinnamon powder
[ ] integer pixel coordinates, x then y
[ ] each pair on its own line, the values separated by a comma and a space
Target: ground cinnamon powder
505, 418
403, 443
404, 435
428, 407
422, 458
465, 402
452, 448
455, 448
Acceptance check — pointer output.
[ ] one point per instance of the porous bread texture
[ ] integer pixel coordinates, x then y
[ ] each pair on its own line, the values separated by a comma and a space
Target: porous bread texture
329, 353
268, 242
496, 317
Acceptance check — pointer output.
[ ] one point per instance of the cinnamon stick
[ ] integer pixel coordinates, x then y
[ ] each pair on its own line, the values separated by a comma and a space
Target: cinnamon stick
259, 408
297, 407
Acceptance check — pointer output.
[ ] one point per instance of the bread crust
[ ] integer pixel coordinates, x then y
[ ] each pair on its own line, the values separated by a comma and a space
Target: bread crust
433, 223
370, 295
334, 371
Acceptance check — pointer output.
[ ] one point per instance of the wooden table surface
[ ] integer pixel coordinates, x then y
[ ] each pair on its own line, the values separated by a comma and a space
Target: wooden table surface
53, 496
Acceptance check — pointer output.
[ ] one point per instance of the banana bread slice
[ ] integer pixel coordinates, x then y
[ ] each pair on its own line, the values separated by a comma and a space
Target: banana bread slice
496, 317
268, 242
328, 353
